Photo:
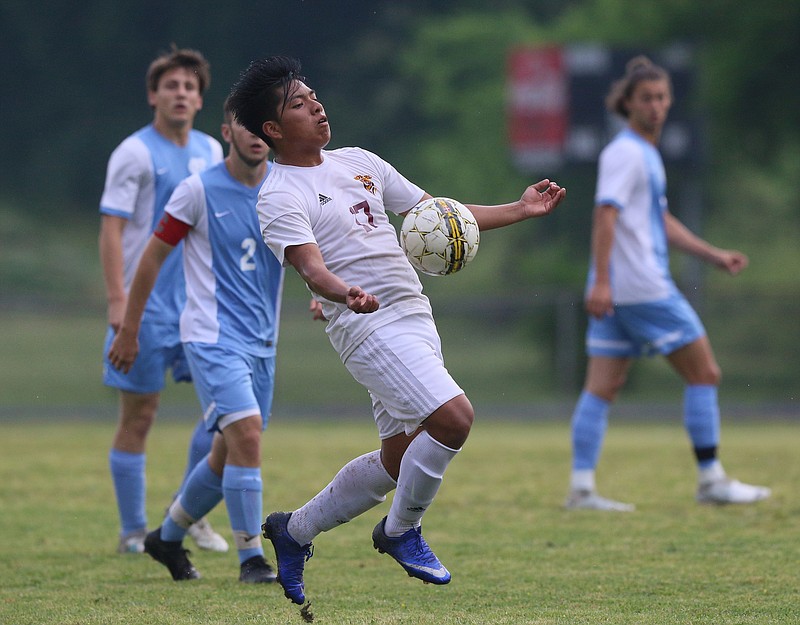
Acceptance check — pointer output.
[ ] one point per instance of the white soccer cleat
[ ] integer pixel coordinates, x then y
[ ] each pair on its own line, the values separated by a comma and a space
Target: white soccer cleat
206, 538
725, 490
590, 500
132, 543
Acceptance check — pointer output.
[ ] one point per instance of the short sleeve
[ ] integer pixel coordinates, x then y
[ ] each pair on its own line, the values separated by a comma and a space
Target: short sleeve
187, 202
619, 167
129, 169
399, 193
285, 227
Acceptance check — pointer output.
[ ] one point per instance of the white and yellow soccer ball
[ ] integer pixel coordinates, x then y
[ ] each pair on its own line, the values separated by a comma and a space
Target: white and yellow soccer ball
439, 236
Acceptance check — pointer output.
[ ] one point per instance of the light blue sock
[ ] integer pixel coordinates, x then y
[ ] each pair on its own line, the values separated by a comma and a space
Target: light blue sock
127, 472
701, 419
589, 423
202, 491
242, 489
199, 447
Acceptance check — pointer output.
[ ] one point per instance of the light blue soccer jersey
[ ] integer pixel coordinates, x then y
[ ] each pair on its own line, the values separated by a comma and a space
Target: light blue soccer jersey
631, 177
142, 174
233, 280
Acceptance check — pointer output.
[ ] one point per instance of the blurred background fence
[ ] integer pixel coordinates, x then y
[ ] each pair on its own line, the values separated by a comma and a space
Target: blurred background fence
516, 355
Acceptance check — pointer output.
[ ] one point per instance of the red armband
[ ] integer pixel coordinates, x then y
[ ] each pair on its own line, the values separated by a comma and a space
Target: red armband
171, 230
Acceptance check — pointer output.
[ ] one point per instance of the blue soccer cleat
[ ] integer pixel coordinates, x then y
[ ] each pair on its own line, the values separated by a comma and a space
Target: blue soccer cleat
290, 555
412, 553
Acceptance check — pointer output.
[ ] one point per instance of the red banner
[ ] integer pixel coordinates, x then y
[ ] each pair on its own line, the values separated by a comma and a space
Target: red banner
538, 106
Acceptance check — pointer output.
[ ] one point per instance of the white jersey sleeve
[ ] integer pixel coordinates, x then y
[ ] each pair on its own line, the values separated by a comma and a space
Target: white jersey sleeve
399, 194
290, 228
129, 173
620, 168
188, 202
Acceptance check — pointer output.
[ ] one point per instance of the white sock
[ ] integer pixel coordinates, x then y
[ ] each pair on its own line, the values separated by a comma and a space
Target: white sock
582, 479
358, 486
711, 473
421, 471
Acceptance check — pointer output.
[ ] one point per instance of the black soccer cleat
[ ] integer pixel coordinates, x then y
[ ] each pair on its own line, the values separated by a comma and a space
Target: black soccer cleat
255, 570
171, 554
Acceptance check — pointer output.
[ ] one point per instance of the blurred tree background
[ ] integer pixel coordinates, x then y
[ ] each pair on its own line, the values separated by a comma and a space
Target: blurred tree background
423, 84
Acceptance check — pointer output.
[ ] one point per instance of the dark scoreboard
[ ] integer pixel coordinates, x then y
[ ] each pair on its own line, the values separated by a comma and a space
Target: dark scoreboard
556, 104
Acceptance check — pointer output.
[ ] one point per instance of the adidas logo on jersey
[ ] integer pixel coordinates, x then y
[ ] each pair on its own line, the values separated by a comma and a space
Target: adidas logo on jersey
324, 199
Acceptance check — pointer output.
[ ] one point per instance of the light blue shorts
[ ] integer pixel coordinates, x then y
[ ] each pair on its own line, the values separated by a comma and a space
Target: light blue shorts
644, 329
401, 366
160, 349
231, 385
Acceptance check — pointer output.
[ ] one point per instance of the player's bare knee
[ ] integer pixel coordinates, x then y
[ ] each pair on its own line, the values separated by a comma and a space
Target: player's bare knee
610, 390
462, 423
711, 376
451, 423
136, 426
250, 446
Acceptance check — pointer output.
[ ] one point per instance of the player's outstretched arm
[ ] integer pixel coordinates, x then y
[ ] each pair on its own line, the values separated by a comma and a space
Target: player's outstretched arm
125, 347
538, 200
307, 261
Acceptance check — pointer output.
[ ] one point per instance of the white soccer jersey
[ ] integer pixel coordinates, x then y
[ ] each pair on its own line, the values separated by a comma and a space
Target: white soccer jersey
341, 206
233, 281
142, 173
631, 178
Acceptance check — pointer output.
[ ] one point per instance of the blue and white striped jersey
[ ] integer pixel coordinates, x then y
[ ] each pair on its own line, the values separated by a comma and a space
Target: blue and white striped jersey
631, 177
142, 173
233, 281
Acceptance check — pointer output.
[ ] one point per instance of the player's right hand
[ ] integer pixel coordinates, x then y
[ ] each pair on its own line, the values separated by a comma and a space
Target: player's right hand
359, 301
124, 350
598, 302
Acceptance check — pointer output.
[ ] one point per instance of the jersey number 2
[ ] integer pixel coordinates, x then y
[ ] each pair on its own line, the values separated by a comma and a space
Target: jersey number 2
246, 262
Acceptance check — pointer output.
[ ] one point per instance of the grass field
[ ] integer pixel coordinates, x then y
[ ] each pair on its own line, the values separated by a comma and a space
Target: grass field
516, 556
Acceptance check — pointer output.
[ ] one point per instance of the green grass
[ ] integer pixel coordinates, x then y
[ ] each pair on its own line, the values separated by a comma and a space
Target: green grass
515, 555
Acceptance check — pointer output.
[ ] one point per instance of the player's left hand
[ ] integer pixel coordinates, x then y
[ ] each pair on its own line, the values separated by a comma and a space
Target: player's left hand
731, 261
315, 308
542, 198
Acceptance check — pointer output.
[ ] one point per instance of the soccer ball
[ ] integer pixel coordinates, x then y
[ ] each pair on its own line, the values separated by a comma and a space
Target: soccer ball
439, 236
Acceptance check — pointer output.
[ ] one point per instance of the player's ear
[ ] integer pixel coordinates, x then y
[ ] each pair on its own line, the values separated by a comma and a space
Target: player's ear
272, 129
225, 129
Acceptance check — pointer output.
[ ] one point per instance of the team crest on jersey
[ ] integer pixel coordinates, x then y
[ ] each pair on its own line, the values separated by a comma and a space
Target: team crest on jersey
366, 180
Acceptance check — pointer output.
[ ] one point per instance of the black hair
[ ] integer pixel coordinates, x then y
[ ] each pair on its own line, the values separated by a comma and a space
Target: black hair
263, 89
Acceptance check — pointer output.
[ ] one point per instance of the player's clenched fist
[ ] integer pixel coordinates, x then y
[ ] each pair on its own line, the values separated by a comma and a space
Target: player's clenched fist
360, 301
